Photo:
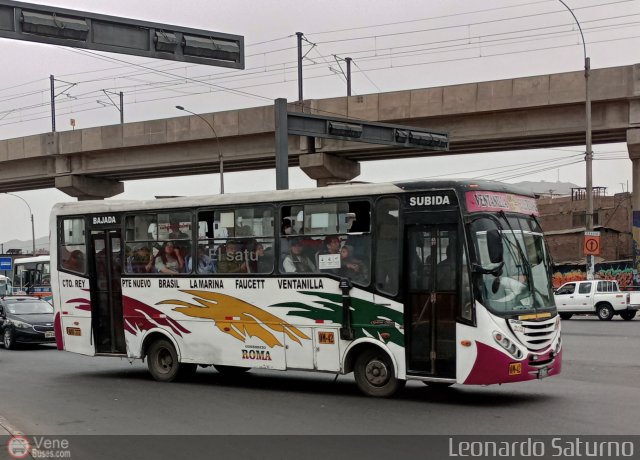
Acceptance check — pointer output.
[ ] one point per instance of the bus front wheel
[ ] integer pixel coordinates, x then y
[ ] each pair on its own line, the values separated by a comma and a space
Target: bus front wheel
375, 374
162, 361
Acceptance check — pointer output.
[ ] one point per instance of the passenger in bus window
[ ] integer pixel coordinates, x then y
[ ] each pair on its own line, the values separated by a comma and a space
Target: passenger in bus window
204, 264
331, 245
352, 268
231, 258
169, 260
255, 256
141, 261
175, 233
446, 270
75, 262
265, 259
242, 229
296, 262
286, 227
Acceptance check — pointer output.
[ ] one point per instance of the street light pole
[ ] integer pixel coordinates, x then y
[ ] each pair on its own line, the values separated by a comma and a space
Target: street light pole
220, 160
589, 152
33, 233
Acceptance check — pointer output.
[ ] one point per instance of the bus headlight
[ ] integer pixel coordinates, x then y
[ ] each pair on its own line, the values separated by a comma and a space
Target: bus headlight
507, 344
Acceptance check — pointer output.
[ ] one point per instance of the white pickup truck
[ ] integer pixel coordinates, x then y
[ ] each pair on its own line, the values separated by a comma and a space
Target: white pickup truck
600, 297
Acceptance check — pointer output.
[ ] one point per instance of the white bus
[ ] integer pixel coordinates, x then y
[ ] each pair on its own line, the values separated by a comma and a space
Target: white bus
439, 281
32, 276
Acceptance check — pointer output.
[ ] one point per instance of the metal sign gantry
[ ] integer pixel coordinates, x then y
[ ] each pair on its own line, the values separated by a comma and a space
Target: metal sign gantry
79, 29
302, 124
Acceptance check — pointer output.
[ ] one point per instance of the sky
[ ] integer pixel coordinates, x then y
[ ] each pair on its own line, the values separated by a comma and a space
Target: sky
394, 46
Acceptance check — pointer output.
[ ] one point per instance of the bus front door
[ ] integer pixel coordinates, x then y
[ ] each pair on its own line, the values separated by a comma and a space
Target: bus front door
432, 254
106, 292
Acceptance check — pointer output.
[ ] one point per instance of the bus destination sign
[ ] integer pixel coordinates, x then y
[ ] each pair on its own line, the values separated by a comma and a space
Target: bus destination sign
479, 201
97, 221
432, 200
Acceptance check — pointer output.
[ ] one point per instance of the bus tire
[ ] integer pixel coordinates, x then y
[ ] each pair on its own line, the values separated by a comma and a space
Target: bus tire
375, 374
162, 361
231, 371
604, 312
566, 315
7, 339
628, 315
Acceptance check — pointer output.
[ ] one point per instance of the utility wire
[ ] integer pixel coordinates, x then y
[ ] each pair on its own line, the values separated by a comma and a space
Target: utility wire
485, 43
464, 13
156, 84
472, 24
331, 75
200, 82
260, 54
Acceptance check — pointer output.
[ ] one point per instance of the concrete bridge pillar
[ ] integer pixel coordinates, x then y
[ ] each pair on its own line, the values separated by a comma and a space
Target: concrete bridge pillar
87, 187
326, 168
633, 145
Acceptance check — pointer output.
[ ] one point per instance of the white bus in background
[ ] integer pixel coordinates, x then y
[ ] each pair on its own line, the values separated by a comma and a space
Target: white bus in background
32, 276
443, 281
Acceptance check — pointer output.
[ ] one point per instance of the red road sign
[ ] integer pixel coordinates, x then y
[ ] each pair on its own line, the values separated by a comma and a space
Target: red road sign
592, 243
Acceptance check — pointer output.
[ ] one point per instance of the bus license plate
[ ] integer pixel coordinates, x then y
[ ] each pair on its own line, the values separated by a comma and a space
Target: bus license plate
515, 368
49, 334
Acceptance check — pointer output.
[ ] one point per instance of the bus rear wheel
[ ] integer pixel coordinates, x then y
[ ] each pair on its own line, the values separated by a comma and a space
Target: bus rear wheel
162, 361
375, 374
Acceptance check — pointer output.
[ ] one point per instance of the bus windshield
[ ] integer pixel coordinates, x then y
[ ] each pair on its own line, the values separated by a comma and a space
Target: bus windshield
514, 275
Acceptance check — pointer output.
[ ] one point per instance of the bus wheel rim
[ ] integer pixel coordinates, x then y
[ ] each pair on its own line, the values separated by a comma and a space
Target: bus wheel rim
377, 372
165, 361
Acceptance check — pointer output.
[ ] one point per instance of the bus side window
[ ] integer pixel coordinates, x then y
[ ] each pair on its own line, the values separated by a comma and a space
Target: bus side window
387, 248
71, 249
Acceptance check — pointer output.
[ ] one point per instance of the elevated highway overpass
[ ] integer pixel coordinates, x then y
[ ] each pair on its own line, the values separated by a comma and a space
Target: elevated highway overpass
520, 113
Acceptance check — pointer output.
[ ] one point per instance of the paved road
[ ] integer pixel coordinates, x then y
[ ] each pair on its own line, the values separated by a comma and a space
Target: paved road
54, 393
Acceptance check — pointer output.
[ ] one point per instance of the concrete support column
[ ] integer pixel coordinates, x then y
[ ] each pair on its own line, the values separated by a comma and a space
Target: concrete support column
633, 145
88, 188
325, 168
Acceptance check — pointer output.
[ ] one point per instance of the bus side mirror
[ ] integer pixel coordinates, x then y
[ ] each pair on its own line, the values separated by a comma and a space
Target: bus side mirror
494, 245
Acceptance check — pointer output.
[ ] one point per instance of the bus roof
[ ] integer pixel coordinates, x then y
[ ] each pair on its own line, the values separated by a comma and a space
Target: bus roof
26, 260
347, 189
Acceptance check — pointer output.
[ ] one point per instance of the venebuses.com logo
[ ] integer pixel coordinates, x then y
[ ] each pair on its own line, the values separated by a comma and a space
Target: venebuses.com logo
38, 447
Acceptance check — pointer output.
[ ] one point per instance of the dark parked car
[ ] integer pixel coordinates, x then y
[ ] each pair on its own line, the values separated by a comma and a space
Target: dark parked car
25, 319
